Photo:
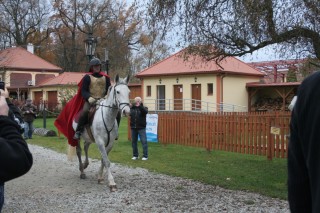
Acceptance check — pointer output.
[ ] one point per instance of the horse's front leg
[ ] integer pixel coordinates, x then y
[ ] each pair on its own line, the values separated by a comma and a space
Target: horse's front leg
105, 162
100, 173
81, 167
86, 148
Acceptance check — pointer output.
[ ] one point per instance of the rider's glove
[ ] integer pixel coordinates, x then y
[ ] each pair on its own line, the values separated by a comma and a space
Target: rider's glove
91, 100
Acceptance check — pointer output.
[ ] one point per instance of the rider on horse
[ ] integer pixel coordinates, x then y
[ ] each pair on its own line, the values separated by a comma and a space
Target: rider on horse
94, 86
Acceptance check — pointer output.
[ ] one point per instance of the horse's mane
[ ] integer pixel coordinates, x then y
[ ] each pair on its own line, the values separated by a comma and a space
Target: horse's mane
107, 95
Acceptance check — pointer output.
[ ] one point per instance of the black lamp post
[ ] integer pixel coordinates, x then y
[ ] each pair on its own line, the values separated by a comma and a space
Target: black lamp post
106, 59
90, 46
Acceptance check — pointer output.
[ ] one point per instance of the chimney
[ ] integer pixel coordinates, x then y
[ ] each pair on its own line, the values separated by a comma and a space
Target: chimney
30, 48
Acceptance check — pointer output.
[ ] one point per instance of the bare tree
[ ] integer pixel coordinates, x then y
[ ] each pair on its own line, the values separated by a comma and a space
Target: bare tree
118, 28
152, 49
134, 45
65, 20
75, 19
123, 35
221, 28
93, 18
21, 19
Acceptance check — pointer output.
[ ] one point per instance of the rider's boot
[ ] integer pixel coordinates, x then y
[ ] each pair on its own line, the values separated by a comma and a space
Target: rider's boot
80, 127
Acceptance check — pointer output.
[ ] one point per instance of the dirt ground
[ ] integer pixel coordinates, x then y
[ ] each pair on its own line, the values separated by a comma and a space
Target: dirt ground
53, 185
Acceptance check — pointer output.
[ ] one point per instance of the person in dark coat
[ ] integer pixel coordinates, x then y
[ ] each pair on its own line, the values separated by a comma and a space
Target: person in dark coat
304, 148
138, 123
15, 157
29, 112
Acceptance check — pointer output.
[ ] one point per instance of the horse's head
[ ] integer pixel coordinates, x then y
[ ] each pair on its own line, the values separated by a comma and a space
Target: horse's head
121, 91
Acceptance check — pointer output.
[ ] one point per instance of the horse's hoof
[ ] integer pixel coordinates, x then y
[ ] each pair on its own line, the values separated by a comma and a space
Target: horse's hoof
113, 188
100, 181
83, 176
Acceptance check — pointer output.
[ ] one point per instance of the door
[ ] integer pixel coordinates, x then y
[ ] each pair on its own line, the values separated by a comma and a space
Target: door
177, 97
161, 97
37, 98
196, 97
52, 100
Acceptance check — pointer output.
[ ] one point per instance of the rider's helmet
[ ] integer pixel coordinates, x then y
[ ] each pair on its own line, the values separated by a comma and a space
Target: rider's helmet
94, 62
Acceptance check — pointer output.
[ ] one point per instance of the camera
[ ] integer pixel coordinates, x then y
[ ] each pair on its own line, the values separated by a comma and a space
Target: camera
2, 85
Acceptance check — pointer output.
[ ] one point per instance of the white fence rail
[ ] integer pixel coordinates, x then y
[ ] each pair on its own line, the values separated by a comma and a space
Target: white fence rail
191, 105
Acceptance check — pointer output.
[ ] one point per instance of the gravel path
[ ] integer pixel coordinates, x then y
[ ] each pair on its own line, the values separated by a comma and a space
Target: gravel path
53, 185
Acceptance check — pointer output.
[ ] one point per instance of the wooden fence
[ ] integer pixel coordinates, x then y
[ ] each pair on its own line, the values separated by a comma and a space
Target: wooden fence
257, 133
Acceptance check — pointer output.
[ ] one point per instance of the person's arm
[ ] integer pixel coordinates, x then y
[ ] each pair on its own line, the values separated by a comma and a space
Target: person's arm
85, 92
34, 109
24, 110
15, 157
143, 109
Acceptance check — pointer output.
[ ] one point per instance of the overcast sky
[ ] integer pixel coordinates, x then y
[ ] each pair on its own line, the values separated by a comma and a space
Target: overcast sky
265, 54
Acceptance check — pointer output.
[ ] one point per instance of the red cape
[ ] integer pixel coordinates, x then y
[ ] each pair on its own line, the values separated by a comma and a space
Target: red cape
68, 113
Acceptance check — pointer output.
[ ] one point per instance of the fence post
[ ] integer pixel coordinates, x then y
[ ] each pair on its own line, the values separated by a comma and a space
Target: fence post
44, 114
129, 130
270, 139
269, 149
269, 155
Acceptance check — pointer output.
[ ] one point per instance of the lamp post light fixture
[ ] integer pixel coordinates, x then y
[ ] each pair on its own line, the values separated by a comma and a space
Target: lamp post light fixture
90, 46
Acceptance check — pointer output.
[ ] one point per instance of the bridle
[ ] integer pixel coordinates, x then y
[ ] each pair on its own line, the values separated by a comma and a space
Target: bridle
116, 100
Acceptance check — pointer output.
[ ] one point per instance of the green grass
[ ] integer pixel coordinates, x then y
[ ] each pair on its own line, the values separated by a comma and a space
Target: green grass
228, 170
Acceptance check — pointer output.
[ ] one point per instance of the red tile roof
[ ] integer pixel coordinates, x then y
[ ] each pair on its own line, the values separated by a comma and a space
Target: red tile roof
64, 79
176, 64
18, 58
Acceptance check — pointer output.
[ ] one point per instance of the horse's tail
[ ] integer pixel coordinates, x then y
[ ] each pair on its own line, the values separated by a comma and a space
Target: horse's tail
71, 152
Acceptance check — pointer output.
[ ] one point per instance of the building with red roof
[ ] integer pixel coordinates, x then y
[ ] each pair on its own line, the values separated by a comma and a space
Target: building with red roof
193, 83
21, 70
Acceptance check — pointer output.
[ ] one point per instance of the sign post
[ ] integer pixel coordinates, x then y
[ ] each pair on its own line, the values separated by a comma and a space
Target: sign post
273, 132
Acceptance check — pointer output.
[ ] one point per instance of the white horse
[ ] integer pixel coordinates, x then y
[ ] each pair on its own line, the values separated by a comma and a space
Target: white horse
104, 128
